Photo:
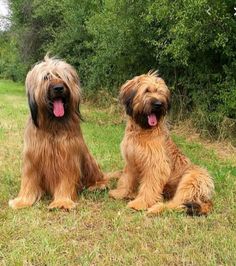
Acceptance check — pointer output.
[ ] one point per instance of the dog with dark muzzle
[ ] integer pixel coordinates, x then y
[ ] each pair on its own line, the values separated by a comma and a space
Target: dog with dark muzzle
157, 176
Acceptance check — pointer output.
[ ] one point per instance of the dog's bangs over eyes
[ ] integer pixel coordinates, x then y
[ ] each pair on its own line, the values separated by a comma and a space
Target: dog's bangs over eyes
50, 76
47, 76
148, 89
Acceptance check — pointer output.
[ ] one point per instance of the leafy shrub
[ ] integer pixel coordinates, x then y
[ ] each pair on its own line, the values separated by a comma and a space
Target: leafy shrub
191, 43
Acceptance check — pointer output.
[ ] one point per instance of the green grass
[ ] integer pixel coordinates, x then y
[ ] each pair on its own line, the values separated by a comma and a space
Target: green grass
102, 231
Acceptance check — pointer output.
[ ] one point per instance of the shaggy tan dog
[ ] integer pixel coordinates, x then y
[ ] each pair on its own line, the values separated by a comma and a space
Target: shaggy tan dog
56, 159
156, 174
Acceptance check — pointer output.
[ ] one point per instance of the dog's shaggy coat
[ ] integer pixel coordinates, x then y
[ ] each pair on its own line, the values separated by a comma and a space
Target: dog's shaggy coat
157, 176
56, 159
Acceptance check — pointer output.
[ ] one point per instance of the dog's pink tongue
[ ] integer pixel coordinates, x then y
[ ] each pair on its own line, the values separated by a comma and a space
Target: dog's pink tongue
152, 120
58, 108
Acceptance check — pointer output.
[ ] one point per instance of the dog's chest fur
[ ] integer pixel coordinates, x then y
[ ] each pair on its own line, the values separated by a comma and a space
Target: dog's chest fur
50, 156
152, 148
145, 146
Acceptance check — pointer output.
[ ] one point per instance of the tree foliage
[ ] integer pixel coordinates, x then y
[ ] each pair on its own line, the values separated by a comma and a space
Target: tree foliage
191, 43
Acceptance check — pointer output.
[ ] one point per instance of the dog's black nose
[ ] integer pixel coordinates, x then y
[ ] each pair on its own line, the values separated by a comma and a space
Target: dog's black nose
58, 88
157, 103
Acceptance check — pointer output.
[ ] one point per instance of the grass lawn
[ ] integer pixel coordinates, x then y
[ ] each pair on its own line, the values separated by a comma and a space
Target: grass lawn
102, 231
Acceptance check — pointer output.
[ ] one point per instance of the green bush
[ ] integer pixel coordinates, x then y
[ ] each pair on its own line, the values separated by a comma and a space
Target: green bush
191, 43
11, 66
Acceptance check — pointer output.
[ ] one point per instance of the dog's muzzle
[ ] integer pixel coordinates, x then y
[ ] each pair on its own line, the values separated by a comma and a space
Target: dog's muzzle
157, 110
58, 89
57, 96
156, 105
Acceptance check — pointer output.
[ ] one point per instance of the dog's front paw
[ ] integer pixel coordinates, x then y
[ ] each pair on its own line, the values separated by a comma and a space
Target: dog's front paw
19, 203
65, 204
138, 204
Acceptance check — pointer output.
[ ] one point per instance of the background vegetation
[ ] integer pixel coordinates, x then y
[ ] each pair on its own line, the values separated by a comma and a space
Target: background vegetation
191, 43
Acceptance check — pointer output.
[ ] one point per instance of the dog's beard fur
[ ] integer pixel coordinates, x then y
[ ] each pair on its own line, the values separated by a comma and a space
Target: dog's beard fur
150, 113
58, 102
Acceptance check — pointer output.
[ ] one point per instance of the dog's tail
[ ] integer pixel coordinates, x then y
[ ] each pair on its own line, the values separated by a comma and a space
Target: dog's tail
198, 209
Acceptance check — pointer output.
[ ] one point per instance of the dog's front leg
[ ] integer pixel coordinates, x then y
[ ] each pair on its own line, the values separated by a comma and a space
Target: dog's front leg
30, 190
64, 194
151, 187
126, 186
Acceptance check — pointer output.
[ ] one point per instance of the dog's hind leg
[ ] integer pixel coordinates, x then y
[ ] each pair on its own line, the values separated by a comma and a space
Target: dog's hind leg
193, 194
92, 176
159, 207
104, 183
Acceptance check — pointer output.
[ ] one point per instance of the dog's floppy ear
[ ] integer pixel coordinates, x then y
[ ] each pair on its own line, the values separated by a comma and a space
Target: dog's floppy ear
127, 94
33, 109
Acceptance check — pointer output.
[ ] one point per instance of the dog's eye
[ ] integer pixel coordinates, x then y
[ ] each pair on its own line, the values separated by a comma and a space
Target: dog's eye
146, 90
